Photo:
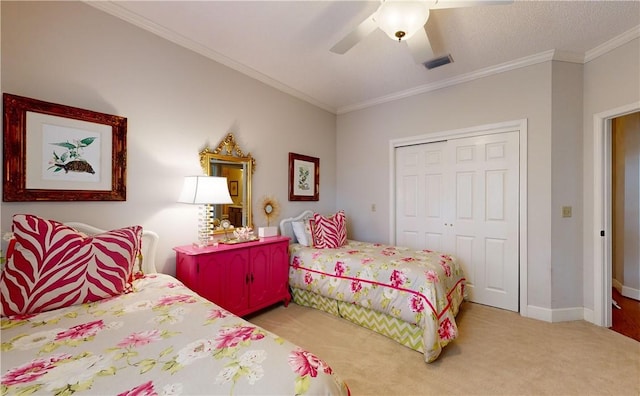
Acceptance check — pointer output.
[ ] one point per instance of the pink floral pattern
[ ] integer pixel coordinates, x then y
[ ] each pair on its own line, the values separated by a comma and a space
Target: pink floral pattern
397, 278
140, 338
178, 299
32, 370
417, 304
306, 363
413, 286
145, 389
231, 337
126, 346
447, 329
84, 330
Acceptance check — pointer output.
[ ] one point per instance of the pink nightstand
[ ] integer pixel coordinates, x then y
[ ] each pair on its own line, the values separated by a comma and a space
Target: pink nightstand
241, 278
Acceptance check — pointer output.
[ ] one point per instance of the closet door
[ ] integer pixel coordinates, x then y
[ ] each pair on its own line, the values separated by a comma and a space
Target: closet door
461, 197
421, 195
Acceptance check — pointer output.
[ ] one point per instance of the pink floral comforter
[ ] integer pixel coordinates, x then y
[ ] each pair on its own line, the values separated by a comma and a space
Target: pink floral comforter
161, 339
424, 288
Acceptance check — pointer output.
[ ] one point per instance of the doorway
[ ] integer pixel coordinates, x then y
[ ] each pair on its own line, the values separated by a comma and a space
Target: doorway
602, 212
625, 257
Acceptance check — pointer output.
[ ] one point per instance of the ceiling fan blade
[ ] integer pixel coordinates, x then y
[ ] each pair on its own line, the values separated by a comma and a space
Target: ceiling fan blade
363, 30
468, 3
420, 47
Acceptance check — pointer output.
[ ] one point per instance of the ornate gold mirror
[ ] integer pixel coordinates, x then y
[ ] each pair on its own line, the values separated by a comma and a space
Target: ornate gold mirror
228, 160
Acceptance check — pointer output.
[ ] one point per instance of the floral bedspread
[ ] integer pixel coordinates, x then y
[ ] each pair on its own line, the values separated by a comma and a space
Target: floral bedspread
160, 339
424, 288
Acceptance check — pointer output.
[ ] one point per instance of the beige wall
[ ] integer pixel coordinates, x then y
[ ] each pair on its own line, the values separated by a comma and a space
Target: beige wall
363, 153
566, 185
176, 102
559, 101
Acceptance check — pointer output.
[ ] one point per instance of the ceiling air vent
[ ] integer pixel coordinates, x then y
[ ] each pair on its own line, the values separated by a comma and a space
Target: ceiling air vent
437, 62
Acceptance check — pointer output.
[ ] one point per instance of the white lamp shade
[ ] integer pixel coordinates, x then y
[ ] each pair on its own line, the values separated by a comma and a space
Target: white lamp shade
205, 190
402, 16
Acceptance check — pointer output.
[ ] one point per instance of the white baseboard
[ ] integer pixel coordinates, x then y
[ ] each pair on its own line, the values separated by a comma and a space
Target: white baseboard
630, 292
589, 316
558, 314
617, 285
539, 313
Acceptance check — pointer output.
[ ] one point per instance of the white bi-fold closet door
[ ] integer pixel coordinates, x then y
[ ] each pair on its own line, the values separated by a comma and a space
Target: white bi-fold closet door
460, 196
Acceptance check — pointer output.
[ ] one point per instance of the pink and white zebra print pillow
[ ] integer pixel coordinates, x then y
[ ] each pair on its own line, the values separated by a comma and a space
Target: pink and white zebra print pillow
329, 232
53, 266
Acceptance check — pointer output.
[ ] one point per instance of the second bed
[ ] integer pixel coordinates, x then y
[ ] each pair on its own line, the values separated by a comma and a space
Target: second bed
411, 296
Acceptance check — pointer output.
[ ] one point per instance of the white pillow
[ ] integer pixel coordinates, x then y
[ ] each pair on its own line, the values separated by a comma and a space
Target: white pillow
302, 231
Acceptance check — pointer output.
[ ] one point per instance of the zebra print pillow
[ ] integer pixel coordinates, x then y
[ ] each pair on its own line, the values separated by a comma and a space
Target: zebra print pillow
53, 266
329, 232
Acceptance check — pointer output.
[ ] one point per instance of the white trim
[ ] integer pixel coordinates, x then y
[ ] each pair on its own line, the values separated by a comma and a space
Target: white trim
539, 313
602, 278
616, 284
557, 314
589, 315
630, 292
508, 126
486, 72
612, 44
111, 7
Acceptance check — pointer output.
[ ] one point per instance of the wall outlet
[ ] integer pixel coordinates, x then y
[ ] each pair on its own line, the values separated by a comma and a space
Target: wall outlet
373, 207
566, 211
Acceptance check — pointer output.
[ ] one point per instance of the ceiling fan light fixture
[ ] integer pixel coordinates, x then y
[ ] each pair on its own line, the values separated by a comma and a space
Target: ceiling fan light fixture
402, 19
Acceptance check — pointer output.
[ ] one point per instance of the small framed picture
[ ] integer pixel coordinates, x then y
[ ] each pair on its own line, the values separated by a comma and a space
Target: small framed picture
304, 178
233, 188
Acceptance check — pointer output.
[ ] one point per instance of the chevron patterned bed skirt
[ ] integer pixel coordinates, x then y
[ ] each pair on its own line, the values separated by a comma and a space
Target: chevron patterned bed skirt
402, 332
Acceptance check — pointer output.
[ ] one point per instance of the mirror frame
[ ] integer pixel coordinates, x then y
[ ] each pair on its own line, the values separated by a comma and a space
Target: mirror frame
229, 151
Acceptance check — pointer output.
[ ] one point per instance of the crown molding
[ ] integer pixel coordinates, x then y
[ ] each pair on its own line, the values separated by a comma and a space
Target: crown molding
486, 72
556, 55
112, 8
567, 56
612, 44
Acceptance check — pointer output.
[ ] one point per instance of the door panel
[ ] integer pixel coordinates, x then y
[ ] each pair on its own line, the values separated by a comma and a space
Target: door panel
465, 203
420, 196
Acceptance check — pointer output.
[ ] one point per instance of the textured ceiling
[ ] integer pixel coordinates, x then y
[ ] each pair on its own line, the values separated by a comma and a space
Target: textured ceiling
286, 43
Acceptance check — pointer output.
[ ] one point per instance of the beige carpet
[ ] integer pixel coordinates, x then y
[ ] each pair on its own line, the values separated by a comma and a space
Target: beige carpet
497, 353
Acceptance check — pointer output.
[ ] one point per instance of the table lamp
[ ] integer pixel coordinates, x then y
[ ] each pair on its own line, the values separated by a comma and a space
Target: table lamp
205, 191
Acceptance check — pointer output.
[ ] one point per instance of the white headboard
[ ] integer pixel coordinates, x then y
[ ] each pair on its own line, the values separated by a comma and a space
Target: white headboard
286, 229
149, 244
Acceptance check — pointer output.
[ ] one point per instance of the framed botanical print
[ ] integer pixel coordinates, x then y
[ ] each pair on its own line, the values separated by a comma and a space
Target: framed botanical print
54, 152
304, 178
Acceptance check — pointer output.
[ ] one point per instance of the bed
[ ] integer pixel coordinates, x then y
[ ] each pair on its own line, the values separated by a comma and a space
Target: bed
157, 338
409, 296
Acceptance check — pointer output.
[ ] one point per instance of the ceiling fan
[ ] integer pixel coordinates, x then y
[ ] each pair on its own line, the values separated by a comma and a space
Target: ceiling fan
404, 21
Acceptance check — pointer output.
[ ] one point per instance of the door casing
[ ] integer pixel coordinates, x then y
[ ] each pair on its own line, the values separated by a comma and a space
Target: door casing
602, 245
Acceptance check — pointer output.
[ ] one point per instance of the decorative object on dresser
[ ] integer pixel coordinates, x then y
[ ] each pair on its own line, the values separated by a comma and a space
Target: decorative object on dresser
242, 278
205, 191
304, 178
270, 210
54, 152
228, 160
